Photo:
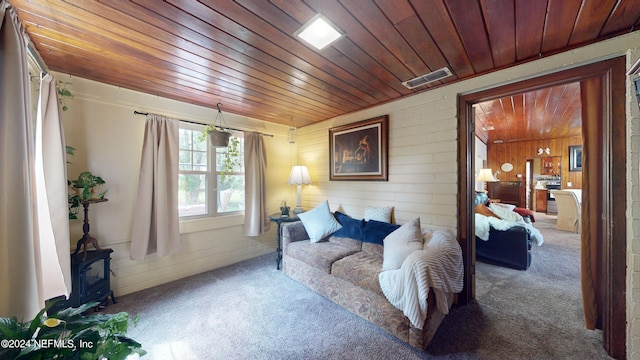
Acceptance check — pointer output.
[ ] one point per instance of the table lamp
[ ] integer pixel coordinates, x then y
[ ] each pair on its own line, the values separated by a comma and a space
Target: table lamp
299, 176
485, 175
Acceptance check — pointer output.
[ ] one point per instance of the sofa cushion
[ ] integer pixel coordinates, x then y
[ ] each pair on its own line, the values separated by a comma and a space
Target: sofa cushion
320, 255
360, 269
373, 249
351, 228
348, 243
375, 231
400, 243
378, 213
319, 222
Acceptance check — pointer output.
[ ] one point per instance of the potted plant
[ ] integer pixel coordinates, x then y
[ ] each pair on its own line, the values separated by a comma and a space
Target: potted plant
218, 136
218, 133
284, 209
85, 186
69, 334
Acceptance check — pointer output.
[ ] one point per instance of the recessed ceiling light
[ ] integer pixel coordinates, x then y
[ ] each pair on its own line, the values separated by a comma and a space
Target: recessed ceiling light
319, 32
488, 128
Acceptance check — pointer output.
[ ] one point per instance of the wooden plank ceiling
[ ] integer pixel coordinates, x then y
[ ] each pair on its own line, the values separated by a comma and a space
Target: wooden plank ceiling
244, 55
549, 113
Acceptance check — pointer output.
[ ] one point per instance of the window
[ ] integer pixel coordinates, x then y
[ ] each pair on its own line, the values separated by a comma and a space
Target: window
199, 186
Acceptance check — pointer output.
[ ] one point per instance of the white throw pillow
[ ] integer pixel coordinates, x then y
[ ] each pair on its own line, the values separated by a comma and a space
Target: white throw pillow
378, 213
319, 222
426, 236
504, 213
509, 207
401, 243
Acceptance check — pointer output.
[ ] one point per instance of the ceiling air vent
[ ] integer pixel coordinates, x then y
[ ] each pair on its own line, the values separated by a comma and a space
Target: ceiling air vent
430, 77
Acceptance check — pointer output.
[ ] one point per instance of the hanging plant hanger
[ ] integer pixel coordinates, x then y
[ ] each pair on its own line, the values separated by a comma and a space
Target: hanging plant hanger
218, 132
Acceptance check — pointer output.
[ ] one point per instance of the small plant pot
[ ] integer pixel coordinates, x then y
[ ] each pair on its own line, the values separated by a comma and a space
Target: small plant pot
94, 193
79, 191
284, 210
219, 138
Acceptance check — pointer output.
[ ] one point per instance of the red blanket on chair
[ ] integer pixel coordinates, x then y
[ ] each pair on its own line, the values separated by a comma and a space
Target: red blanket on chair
525, 212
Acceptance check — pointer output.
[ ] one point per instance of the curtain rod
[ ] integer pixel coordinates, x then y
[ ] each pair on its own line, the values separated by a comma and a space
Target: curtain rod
136, 112
33, 54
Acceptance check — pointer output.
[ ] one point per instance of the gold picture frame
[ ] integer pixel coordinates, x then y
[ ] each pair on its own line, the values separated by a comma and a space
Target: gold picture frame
359, 151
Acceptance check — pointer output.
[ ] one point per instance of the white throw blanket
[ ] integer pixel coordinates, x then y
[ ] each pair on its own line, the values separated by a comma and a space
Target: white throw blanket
484, 224
438, 265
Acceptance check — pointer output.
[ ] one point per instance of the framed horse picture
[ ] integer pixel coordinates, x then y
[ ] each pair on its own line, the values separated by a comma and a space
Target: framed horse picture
359, 151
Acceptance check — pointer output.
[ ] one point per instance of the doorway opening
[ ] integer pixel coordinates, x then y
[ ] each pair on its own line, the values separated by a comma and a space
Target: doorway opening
604, 211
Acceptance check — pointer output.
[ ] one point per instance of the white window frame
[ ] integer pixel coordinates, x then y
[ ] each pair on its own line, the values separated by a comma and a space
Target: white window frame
211, 197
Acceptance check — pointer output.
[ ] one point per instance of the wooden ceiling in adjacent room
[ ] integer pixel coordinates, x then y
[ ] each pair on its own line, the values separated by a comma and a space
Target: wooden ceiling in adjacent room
549, 113
243, 53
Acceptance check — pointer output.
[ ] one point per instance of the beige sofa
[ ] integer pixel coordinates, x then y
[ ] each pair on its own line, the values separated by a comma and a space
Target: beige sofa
346, 271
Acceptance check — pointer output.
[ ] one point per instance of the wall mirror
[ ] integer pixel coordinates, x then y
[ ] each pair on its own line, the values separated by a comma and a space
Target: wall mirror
507, 167
575, 158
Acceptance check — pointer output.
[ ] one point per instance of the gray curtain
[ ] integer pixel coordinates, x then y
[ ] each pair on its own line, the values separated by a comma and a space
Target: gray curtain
155, 222
31, 168
256, 221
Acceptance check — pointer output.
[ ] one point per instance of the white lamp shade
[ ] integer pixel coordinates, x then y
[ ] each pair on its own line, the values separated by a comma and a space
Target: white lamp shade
486, 175
299, 175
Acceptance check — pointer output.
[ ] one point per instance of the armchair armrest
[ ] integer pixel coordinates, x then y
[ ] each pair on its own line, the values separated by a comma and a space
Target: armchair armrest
293, 231
510, 248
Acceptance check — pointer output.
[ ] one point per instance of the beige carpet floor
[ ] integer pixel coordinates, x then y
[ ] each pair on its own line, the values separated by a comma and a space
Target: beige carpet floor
250, 310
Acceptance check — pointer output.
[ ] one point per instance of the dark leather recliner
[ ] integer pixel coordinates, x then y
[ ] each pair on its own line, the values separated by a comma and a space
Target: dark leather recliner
510, 248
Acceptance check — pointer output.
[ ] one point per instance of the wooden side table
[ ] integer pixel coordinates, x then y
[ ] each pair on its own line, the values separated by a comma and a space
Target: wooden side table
86, 238
279, 219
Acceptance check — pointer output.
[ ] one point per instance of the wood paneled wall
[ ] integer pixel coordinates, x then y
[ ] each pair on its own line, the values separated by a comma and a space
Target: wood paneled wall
518, 152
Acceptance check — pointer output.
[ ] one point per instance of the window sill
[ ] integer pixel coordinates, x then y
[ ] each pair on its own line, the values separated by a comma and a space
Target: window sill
210, 223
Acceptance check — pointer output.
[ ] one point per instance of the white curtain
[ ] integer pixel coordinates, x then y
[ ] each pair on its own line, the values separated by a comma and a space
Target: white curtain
256, 221
52, 242
155, 222
31, 230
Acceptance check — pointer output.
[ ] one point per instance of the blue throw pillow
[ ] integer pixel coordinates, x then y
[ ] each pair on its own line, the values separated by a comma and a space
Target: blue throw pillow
351, 228
375, 231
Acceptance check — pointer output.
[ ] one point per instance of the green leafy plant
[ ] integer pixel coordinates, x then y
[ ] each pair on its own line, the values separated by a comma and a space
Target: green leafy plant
87, 180
70, 151
63, 93
73, 200
69, 333
230, 160
83, 188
